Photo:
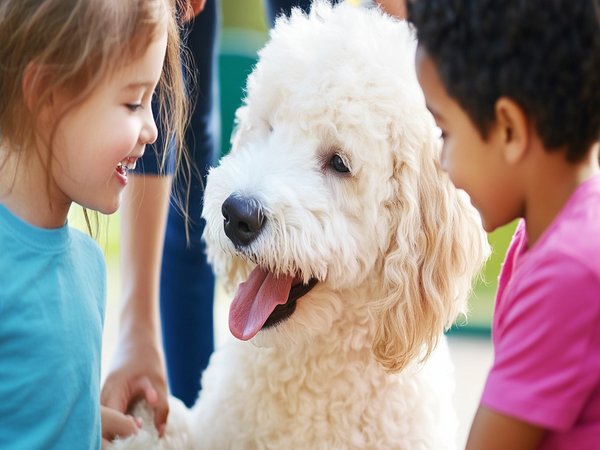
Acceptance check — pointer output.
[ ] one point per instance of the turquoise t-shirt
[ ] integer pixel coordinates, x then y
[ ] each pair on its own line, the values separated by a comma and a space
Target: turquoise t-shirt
52, 300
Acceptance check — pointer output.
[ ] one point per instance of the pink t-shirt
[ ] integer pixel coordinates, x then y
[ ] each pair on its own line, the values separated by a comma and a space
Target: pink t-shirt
546, 327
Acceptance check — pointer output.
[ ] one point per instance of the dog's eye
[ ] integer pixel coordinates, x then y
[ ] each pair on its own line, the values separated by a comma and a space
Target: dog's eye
338, 164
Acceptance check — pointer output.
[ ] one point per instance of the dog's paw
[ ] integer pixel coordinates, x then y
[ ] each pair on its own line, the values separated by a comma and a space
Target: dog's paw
177, 432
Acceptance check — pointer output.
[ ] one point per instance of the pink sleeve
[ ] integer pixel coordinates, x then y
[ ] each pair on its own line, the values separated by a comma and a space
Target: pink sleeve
547, 351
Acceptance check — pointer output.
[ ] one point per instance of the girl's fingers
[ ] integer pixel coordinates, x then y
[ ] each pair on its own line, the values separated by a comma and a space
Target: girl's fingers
161, 411
115, 424
158, 403
144, 386
115, 393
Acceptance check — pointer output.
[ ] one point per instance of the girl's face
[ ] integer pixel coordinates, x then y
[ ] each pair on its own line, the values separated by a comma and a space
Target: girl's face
474, 164
107, 132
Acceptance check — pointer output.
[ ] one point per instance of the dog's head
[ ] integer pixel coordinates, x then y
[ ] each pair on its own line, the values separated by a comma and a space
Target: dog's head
333, 186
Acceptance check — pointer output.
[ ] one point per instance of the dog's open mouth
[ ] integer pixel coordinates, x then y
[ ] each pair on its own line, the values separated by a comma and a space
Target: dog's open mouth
265, 300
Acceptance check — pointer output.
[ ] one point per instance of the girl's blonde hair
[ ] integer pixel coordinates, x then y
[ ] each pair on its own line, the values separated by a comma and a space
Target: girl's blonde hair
71, 46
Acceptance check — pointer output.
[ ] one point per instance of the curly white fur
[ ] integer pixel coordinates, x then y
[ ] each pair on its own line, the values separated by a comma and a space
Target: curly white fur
362, 363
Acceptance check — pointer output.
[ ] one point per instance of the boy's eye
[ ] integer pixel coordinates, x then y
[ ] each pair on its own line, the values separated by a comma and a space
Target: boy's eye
440, 133
134, 106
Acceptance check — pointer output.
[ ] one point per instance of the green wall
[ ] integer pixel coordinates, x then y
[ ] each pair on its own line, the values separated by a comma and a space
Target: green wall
243, 33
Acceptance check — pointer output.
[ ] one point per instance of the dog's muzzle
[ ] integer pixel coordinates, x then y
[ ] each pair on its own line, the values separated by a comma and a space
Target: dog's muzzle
243, 219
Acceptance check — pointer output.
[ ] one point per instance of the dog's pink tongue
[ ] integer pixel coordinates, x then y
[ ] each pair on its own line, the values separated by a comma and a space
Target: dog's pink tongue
255, 300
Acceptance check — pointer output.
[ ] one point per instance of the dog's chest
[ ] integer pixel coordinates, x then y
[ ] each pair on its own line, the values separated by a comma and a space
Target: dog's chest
315, 399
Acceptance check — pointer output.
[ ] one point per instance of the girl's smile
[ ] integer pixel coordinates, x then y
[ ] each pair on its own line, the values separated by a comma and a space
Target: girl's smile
124, 166
99, 140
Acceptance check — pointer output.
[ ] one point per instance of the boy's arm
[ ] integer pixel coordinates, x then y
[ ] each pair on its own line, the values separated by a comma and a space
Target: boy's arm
495, 431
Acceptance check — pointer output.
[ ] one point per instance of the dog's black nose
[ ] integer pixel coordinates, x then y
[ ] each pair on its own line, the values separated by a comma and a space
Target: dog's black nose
242, 219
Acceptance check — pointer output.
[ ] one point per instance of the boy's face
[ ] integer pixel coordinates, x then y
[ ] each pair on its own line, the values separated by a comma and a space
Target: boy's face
473, 164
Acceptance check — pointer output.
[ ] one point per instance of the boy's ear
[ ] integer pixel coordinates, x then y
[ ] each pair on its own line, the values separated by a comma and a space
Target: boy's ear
513, 126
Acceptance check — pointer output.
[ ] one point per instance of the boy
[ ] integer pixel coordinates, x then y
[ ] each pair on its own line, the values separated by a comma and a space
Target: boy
514, 86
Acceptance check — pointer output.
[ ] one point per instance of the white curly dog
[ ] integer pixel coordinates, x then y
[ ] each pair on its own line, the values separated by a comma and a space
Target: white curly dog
353, 249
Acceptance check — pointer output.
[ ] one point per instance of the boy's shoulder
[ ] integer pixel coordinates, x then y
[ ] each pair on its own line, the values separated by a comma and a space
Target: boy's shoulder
575, 233
564, 264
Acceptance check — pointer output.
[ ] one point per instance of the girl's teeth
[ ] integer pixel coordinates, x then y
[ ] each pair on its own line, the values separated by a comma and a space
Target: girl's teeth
129, 165
122, 170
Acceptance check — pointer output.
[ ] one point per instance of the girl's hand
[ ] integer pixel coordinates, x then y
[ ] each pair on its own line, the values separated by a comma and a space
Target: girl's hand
116, 424
137, 370
194, 7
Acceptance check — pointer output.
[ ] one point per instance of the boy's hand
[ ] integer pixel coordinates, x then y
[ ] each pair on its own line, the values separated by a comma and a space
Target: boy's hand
116, 424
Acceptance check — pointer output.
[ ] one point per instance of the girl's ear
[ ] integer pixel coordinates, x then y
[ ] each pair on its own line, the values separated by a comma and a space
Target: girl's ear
513, 127
37, 101
30, 81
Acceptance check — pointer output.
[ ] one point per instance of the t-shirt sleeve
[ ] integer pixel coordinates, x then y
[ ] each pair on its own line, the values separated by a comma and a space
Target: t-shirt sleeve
546, 353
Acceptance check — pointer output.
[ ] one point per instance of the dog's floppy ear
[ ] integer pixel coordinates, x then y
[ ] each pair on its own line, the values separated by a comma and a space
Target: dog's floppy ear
437, 247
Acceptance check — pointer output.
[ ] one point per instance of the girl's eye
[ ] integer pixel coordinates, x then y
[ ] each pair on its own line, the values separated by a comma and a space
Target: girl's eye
134, 107
338, 164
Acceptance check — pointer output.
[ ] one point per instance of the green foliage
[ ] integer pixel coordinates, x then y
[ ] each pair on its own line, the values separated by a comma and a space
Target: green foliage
482, 300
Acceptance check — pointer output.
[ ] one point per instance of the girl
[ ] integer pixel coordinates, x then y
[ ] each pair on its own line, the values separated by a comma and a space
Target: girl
76, 81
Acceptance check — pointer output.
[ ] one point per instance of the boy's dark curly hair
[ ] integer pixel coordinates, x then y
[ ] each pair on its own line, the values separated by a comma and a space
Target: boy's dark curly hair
543, 54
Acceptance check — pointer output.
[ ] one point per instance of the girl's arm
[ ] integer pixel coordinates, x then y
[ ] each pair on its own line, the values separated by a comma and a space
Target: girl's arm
495, 431
138, 366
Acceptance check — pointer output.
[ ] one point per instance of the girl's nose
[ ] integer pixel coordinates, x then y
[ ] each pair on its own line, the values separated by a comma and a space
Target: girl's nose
149, 132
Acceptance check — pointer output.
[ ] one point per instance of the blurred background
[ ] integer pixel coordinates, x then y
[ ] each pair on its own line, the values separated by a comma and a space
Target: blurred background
243, 33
